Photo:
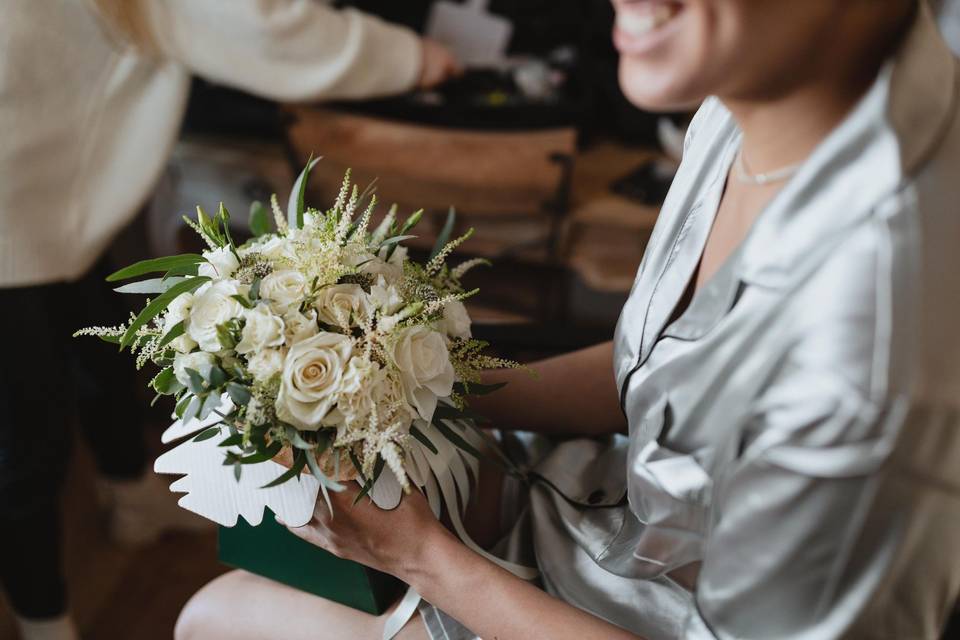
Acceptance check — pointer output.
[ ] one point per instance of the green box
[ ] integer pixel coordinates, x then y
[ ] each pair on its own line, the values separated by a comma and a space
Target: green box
269, 550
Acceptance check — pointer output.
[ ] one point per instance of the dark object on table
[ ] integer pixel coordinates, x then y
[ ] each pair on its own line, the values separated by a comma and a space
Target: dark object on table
648, 183
269, 550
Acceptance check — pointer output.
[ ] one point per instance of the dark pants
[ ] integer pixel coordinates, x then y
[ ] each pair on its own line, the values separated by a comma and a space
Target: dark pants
48, 379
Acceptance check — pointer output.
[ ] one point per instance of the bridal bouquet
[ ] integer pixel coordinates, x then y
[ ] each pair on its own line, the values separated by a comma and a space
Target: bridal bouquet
318, 343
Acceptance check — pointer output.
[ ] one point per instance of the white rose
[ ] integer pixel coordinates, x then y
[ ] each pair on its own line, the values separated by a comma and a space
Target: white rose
300, 326
220, 264
456, 321
262, 330
284, 289
385, 297
391, 270
341, 304
212, 306
355, 254
311, 379
198, 361
177, 312
264, 364
427, 374
272, 248
356, 397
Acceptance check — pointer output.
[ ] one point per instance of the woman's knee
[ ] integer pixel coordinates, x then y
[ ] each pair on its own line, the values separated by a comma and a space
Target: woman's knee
206, 613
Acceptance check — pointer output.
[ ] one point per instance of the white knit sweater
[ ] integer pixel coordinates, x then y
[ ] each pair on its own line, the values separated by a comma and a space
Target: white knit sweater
87, 123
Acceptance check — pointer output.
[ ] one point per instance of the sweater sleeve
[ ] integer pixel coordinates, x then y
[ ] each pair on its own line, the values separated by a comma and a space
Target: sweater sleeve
292, 50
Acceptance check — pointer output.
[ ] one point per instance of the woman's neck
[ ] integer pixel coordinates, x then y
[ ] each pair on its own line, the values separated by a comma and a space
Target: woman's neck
784, 128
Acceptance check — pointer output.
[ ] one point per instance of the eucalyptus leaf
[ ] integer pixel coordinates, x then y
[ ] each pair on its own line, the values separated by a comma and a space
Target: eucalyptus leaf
262, 456
196, 380
157, 305
155, 265
217, 377
297, 440
238, 393
329, 483
151, 286
192, 409
210, 404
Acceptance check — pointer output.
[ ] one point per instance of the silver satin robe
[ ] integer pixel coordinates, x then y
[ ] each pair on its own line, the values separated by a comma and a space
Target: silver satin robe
792, 468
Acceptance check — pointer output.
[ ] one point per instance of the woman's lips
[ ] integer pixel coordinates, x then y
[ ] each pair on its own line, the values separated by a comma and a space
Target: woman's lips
641, 26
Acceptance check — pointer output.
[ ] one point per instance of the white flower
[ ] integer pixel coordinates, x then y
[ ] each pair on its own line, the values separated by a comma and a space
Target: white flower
220, 264
341, 304
264, 364
391, 270
385, 297
355, 254
311, 379
198, 361
262, 330
427, 374
300, 326
271, 248
177, 311
213, 305
456, 321
283, 289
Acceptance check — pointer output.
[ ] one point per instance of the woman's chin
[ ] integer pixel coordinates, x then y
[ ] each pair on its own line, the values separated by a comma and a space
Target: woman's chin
657, 89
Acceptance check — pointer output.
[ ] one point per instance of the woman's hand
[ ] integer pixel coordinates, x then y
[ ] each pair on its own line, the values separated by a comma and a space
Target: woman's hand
437, 64
392, 541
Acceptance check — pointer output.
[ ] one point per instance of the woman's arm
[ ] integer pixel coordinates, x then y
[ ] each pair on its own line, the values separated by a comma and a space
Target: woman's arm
572, 394
411, 544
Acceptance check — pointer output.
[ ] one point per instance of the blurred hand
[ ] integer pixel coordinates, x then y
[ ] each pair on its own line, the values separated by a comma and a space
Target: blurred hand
391, 541
437, 64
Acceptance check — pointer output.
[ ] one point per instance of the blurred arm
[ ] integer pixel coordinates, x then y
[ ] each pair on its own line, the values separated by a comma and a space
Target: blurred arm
572, 394
288, 50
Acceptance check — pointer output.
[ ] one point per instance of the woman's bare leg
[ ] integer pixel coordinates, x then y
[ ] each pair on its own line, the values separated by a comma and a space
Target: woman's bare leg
244, 606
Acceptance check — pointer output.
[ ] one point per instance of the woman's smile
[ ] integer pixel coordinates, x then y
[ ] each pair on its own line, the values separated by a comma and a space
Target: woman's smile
643, 25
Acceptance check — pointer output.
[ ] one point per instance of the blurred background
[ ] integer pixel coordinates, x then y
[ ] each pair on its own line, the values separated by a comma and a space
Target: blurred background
532, 143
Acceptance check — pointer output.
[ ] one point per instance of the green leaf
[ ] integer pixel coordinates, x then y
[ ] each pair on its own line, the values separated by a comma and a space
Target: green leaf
296, 205
162, 381
185, 270
259, 219
445, 233
224, 216
455, 438
157, 305
110, 339
238, 393
206, 434
151, 286
237, 470
262, 456
155, 265
254, 293
196, 380
299, 461
424, 440
225, 336
232, 440
394, 240
242, 299
175, 332
368, 486
182, 405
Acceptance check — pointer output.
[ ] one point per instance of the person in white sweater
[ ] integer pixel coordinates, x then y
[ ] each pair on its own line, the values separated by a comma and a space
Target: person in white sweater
92, 93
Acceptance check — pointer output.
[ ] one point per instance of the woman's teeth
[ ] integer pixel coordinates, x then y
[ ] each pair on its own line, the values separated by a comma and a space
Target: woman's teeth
640, 23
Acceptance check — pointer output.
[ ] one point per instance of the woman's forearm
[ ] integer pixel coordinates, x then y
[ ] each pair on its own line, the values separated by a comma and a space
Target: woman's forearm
494, 603
572, 394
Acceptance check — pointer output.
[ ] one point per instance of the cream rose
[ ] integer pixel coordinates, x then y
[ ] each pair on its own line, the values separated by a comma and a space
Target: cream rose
427, 374
340, 305
212, 306
456, 321
264, 364
177, 312
300, 326
198, 361
311, 379
284, 289
220, 264
262, 329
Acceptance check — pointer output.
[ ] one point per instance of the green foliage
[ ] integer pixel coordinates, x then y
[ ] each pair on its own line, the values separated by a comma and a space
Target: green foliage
259, 219
155, 265
158, 305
